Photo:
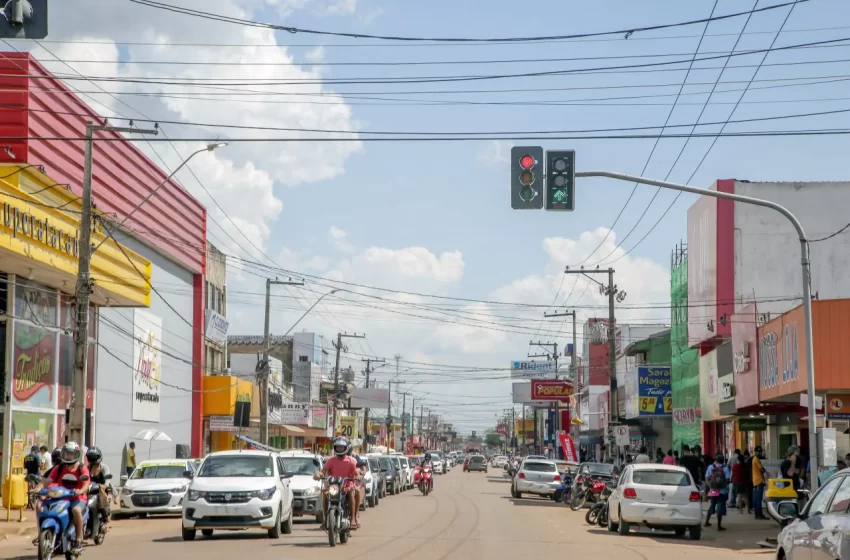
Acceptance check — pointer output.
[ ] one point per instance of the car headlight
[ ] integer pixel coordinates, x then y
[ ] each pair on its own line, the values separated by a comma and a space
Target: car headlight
178, 490
264, 494
311, 491
195, 495
126, 491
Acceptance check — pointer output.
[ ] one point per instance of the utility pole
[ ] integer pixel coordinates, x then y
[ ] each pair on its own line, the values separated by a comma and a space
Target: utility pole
554, 356
614, 295
338, 345
265, 366
421, 432
390, 436
403, 421
85, 284
366, 410
574, 430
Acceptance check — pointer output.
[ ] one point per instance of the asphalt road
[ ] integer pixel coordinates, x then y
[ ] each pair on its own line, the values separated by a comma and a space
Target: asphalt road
469, 516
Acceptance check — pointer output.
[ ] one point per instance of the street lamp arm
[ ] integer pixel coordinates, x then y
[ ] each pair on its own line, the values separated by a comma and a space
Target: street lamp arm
309, 309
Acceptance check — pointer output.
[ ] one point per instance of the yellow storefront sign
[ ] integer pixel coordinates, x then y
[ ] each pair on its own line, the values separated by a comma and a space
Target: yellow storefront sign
221, 393
348, 426
40, 239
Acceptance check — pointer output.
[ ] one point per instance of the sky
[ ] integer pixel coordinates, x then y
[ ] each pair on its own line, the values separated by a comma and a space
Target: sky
432, 263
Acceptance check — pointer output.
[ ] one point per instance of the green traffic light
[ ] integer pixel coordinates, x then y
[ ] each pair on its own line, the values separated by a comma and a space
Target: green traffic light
526, 193
560, 195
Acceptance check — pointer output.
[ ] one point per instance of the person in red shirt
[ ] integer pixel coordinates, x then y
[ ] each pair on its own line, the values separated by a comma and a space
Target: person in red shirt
341, 465
70, 464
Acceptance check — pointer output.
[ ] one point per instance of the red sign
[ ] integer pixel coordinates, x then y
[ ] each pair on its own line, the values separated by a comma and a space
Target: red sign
551, 390
33, 366
569, 447
500, 429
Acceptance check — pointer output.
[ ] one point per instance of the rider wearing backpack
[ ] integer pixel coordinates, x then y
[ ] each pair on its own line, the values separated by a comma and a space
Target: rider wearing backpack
717, 479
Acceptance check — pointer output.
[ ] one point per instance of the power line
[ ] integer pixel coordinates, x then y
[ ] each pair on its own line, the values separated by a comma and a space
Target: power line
293, 30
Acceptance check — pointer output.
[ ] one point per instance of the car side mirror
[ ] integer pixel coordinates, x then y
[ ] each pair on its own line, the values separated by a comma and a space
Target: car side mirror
108, 477
788, 510
286, 475
188, 474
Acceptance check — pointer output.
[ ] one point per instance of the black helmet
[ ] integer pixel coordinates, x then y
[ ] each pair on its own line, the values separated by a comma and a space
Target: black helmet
427, 456
34, 449
70, 453
56, 456
94, 456
341, 447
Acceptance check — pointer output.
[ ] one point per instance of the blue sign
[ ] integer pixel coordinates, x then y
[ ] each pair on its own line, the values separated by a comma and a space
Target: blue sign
655, 392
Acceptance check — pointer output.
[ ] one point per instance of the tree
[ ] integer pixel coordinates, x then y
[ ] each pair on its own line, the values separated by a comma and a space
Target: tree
493, 439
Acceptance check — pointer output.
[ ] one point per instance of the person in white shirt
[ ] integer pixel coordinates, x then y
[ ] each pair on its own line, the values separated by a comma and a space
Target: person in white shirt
46, 462
642, 457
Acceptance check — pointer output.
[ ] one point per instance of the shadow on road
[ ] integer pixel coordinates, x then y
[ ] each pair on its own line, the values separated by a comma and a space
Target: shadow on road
312, 544
735, 538
499, 479
534, 502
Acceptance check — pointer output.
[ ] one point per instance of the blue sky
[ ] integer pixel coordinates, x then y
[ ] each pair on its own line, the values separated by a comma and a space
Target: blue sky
435, 217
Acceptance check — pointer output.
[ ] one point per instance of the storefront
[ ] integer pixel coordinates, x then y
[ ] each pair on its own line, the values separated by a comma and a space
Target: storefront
222, 392
718, 428
39, 249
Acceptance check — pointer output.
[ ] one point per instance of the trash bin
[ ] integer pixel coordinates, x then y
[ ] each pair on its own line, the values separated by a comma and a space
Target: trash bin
14, 494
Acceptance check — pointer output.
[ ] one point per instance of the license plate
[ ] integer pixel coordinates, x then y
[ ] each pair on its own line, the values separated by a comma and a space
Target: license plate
299, 503
149, 500
231, 510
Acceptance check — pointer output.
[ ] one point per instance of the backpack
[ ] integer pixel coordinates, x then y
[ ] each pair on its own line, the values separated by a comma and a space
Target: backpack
718, 480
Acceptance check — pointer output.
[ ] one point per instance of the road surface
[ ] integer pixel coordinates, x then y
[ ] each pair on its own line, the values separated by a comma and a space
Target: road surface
469, 516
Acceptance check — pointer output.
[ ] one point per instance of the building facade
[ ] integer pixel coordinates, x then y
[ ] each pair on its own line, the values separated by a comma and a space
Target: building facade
215, 315
684, 361
164, 333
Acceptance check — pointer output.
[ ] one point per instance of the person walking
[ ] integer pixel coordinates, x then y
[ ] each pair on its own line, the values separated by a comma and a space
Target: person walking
758, 483
669, 459
642, 456
717, 477
130, 459
745, 486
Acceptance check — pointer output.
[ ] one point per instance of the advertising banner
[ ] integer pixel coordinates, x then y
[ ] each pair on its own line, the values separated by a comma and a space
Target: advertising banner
147, 360
529, 369
370, 398
838, 407
220, 423
551, 390
655, 394
319, 418
569, 447
521, 392
33, 357
295, 414
348, 426
709, 392
215, 327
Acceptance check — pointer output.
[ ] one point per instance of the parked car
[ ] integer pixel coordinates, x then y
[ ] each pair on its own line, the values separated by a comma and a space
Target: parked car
238, 490
371, 481
439, 462
156, 487
820, 530
500, 461
380, 480
536, 476
658, 496
402, 473
306, 491
408, 472
392, 476
476, 463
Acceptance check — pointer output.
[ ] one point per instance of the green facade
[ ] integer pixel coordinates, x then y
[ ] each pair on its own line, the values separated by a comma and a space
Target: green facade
685, 361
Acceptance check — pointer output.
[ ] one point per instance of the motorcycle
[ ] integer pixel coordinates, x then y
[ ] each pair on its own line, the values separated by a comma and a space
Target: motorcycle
512, 467
563, 494
56, 531
338, 520
588, 490
425, 482
96, 526
596, 510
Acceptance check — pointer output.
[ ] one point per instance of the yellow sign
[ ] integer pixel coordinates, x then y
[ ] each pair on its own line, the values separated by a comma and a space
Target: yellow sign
668, 405
221, 393
348, 426
18, 454
40, 237
648, 404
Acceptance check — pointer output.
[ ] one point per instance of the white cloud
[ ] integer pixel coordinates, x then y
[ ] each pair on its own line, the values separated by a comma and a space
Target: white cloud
339, 240
372, 15
494, 151
315, 55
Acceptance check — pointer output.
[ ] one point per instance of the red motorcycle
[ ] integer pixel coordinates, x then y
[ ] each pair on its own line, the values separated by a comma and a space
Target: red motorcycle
588, 490
425, 482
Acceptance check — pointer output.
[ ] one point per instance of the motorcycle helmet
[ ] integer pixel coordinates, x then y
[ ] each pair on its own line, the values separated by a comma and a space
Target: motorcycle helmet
56, 456
70, 453
94, 456
341, 447
427, 457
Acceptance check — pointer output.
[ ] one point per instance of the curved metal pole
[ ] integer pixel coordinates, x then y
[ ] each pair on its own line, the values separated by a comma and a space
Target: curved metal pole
805, 264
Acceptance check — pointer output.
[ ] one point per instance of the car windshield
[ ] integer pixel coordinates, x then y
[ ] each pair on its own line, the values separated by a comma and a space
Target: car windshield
159, 471
661, 477
374, 464
385, 463
476, 459
603, 469
236, 465
414, 461
538, 467
300, 465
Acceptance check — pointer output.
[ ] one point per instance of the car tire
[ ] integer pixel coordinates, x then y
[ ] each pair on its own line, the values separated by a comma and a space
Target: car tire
189, 534
680, 531
274, 532
623, 527
207, 532
695, 532
286, 526
518, 495
612, 527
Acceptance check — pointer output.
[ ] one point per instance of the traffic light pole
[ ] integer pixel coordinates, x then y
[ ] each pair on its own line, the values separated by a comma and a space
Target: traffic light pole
366, 410
574, 429
805, 266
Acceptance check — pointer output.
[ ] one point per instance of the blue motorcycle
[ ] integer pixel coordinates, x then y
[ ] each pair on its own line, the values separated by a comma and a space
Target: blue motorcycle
564, 492
56, 531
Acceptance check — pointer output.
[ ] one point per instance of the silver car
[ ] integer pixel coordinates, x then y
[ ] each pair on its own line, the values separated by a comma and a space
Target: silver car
536, 476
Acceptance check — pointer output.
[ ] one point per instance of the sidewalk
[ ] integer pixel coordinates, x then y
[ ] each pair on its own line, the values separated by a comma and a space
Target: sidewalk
15, 527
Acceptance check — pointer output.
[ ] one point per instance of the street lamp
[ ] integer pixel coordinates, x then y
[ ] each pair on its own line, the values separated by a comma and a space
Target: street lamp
309, 309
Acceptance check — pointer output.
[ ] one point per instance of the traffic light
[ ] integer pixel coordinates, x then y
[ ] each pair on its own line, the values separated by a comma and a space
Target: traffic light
527, 177
561, 180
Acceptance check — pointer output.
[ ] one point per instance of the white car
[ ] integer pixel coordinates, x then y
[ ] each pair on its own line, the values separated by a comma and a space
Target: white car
408, 471
539, 477
438, 462
239, 490
156, 487
657, 496
306, 491
500, 461
371, 481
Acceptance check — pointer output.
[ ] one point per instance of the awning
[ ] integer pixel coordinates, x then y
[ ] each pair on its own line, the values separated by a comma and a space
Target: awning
295, 429
255, 444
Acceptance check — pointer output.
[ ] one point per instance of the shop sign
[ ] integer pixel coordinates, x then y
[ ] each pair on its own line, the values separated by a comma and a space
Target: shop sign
685, 416
215, 327
26, 225
348, 426
779, 357
769, 360
296, 414
147, 372
838, 407
752, 424
533, 370
790, 358
222, 423
655, 393
741, 359
551, 390
319, 418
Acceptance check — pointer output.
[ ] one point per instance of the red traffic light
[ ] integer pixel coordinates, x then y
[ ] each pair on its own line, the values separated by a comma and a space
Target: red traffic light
526, 162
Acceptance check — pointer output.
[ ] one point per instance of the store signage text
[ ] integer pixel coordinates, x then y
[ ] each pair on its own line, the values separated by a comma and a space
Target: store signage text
551, 390
31, 373
769, 361
685, 416
27, 225
790, 363
741, 359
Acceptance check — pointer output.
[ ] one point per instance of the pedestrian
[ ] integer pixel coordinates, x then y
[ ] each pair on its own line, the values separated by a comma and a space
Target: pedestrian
758, 483
676, 456
46, 462
717, 478
669, 459
745, 491
659, 455
130, 460
692, 464
736, 467
642, 456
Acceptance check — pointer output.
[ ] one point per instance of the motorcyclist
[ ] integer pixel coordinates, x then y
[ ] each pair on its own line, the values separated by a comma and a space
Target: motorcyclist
427, 463
70, 463
342, 465
361, 484
98, 471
